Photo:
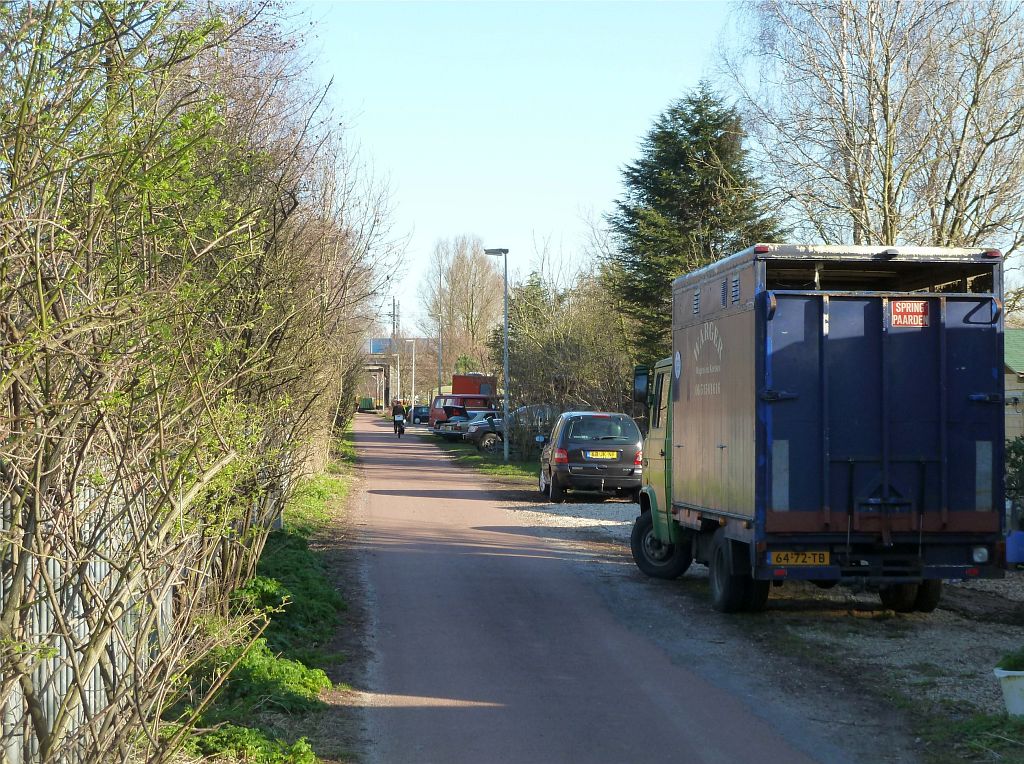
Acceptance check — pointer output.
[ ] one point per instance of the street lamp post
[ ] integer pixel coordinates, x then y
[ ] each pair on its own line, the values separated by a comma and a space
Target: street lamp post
504, 421
413, 393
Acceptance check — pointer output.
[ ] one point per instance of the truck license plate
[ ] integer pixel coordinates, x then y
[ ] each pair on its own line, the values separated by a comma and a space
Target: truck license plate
798, 558
602, 454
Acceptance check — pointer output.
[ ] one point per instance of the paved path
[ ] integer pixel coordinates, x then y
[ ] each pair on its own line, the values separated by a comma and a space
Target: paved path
492, 645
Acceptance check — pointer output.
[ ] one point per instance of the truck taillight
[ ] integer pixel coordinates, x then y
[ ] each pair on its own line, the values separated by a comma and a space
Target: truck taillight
639, 458
992, 253
561, 456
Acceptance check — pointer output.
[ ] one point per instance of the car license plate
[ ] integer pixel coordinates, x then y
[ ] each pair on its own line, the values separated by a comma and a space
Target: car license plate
602, 454
798, 558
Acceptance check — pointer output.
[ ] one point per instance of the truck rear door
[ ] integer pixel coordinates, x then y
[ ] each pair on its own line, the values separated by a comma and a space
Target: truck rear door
882, 413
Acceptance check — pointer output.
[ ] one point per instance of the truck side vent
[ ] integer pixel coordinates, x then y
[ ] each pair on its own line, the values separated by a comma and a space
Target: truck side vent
696, 301
735, 288
724, 291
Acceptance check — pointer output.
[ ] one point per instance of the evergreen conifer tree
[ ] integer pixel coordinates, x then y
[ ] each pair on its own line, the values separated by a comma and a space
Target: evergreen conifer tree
689, 200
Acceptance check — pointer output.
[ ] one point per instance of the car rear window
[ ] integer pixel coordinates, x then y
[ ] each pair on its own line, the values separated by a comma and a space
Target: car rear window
616, 428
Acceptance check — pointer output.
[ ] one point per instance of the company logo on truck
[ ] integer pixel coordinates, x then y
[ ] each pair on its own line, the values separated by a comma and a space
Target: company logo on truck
913, 313
707, 360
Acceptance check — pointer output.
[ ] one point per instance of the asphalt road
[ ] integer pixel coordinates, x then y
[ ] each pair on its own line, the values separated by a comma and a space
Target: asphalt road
494, 641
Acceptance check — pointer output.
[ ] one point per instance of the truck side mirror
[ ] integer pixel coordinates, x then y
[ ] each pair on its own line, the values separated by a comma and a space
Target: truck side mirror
641, 382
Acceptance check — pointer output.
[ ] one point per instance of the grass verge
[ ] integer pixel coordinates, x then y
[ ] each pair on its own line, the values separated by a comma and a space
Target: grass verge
278, 678
466, 455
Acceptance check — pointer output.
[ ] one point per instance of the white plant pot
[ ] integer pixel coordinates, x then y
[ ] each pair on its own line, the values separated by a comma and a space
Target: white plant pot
1013, 690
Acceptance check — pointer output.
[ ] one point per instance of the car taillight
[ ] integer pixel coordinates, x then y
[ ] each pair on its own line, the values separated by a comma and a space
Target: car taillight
639, 458
561, 456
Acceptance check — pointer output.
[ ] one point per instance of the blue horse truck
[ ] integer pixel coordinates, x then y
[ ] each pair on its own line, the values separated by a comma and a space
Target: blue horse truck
831, 414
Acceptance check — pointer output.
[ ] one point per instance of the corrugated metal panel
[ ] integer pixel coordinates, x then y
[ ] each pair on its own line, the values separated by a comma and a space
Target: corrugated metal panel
58, 623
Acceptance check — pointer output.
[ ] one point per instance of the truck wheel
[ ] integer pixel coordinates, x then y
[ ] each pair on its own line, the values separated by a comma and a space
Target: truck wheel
928, 595
899, 597
757, 600
729, 593
555, 491
654, 558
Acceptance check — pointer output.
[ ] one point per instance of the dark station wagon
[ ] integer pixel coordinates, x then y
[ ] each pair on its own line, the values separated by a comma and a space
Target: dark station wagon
591, 451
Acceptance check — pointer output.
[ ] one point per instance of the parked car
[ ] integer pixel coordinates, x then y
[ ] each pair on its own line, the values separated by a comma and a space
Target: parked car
472, 403
458, 425
486, 433
591, 451
419, 414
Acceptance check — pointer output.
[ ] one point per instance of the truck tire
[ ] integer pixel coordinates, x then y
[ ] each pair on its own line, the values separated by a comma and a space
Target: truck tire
555, 491
758, 597
928, 595
730, 593
654, 558
899, 597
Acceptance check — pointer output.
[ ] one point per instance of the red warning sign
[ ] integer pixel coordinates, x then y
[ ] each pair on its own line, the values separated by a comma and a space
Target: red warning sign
913, 313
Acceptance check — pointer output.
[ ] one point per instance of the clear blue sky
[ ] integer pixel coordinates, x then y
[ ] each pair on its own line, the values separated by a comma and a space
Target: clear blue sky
507, 120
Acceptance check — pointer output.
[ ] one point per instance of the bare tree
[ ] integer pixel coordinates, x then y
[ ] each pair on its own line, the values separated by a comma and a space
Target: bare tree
463, 301
883, 122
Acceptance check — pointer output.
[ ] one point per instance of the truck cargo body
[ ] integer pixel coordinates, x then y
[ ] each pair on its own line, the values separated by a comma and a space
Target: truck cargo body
837, 412
475, 383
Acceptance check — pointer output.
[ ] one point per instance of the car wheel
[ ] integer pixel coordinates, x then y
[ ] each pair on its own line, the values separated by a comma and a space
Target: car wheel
730, 593
654, 558
899, 597
542, 484
555, 491
928, 595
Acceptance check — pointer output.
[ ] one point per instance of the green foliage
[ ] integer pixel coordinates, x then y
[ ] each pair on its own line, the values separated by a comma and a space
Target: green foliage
306, 511
1012, 661
262, 681
978, 737
1015, 471
464, 364
252, 746
260, 595
567, 346
690, 199
311, 616
344, 450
